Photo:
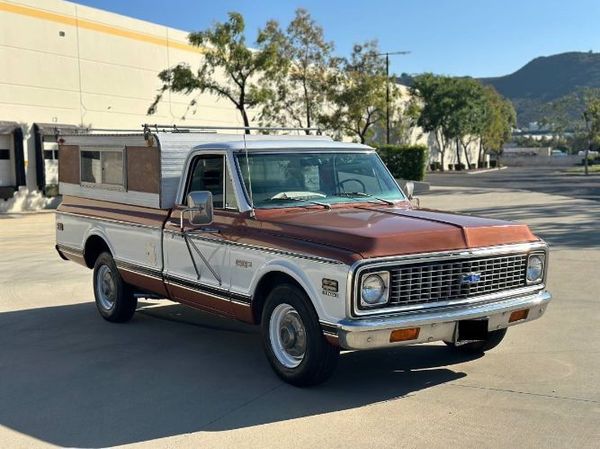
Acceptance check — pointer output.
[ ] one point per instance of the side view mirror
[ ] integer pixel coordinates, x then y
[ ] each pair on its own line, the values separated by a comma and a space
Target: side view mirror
200, 209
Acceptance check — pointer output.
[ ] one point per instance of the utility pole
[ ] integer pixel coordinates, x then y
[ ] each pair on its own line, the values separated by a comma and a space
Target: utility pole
387, 90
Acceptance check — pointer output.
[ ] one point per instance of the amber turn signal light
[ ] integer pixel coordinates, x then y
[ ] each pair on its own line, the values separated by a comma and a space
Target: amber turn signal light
518, 315
404, 334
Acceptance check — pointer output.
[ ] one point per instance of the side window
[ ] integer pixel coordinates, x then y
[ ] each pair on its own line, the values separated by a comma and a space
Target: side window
102, 166
210, 173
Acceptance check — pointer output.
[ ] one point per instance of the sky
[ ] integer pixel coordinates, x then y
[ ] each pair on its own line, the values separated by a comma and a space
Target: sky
453, 37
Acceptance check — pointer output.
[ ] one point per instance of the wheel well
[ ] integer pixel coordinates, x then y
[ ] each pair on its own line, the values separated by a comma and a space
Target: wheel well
267, 283
94, 246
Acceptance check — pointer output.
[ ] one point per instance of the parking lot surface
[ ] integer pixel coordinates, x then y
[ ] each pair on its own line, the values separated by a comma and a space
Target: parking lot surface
551, 180
178, 378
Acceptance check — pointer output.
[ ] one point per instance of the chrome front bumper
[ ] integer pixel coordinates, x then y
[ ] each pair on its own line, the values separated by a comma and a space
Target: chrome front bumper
435, 325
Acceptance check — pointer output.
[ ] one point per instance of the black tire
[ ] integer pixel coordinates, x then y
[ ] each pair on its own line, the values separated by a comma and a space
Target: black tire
123, 302
494, 338
319, 359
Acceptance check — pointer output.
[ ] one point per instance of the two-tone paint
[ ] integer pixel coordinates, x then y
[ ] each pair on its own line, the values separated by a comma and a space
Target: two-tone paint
313, 246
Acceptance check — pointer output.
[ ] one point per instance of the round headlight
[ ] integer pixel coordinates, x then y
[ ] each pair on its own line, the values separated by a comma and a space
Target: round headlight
535, 268
373, 288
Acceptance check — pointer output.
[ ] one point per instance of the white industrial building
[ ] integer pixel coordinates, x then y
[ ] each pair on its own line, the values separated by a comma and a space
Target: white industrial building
68, 66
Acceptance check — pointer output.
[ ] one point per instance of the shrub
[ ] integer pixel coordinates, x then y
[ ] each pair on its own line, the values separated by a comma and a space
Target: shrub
435, 166
405, 161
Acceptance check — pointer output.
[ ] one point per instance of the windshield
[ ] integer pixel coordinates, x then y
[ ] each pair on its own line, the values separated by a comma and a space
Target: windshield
286, 179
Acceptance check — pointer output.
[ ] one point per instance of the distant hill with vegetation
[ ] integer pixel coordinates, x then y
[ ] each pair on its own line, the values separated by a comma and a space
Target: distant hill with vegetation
542, 81
546, 79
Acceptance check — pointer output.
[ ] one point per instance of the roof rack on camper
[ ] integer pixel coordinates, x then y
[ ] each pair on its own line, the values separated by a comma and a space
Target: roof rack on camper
147, 129
181, 129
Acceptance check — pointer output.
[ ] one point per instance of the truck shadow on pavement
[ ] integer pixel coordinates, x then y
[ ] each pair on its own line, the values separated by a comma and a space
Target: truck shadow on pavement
71, 379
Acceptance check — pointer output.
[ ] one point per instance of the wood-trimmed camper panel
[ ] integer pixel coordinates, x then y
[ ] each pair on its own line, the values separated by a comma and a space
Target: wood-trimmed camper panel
143, 169
68, 164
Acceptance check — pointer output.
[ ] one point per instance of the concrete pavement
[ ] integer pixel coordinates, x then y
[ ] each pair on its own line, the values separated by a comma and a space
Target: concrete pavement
551, 180
175, 377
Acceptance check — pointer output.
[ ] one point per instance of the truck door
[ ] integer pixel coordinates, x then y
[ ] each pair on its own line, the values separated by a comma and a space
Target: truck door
197, 260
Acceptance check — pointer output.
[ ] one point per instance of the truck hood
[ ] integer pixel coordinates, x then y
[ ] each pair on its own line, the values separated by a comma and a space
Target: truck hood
380, 231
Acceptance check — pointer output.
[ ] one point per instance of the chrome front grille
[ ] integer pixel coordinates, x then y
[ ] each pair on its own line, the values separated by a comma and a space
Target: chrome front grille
452, 280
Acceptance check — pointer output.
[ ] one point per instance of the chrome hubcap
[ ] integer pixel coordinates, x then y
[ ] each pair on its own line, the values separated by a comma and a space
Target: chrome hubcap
288, 335
105, 287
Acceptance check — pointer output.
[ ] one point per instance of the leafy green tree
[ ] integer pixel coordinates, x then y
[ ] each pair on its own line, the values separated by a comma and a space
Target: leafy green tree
578, 113
229, 69
467, 116
437, 108
299, 83
358, 94
499, 119
456, 110
591, 116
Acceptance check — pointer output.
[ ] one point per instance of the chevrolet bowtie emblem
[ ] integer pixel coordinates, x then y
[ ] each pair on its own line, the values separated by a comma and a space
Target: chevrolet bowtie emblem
470, 278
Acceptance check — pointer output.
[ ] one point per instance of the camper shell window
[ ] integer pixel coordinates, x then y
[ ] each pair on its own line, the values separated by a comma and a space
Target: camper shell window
103, 167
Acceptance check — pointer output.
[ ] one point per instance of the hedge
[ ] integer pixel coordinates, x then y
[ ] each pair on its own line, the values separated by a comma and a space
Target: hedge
405, 161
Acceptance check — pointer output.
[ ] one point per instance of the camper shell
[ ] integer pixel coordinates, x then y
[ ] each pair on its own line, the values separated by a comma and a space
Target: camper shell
153, 162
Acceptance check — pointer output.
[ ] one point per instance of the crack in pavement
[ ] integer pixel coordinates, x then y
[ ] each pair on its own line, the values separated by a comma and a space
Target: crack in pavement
506, 390
241, 406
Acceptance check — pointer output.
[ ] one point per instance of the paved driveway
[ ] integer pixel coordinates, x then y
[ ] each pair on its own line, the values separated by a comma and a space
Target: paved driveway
174, 377
552, 180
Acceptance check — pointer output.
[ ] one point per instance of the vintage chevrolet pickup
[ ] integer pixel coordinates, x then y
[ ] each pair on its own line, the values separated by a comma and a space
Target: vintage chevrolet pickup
309, 238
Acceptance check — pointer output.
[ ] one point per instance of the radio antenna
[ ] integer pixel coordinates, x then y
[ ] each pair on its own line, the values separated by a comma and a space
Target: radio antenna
252, 214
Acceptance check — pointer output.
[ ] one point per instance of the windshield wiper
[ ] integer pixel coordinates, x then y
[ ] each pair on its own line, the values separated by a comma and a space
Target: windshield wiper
363, 195
318, 203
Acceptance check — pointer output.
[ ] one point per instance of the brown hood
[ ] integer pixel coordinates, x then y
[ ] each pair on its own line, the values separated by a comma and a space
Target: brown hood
376, 231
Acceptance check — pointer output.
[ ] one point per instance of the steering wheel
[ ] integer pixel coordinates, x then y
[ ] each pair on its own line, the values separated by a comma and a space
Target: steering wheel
340, 184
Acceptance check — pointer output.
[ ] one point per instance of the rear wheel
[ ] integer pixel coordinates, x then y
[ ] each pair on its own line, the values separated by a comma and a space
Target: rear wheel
494, 338
294, 342
114, 299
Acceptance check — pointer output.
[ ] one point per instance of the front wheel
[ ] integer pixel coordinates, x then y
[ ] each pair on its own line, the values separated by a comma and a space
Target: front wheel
114, 299
493, 339
294, 342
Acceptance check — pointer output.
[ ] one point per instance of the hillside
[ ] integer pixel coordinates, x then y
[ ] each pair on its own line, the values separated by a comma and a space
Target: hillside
545, 79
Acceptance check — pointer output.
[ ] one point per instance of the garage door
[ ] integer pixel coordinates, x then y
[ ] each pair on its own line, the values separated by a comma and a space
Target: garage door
6, 163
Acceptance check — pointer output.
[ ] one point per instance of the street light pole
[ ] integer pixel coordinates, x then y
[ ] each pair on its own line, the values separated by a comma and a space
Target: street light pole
387, 98
387, 90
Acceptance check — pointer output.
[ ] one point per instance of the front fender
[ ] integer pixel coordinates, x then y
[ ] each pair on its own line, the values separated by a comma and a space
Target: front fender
309, 275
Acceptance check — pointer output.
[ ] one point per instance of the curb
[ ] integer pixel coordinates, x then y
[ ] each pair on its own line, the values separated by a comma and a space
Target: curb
486, 171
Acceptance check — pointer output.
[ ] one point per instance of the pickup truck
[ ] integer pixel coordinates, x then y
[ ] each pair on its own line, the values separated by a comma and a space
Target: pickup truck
311, 239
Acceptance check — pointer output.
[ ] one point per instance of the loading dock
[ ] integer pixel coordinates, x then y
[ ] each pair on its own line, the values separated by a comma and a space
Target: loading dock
12, 162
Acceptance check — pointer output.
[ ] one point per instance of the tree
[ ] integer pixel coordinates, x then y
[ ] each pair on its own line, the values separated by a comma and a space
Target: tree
578, 113
467, 114
437, 107
404, 114
591, 116
299, 84
225, 52
500, 118
358, 94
